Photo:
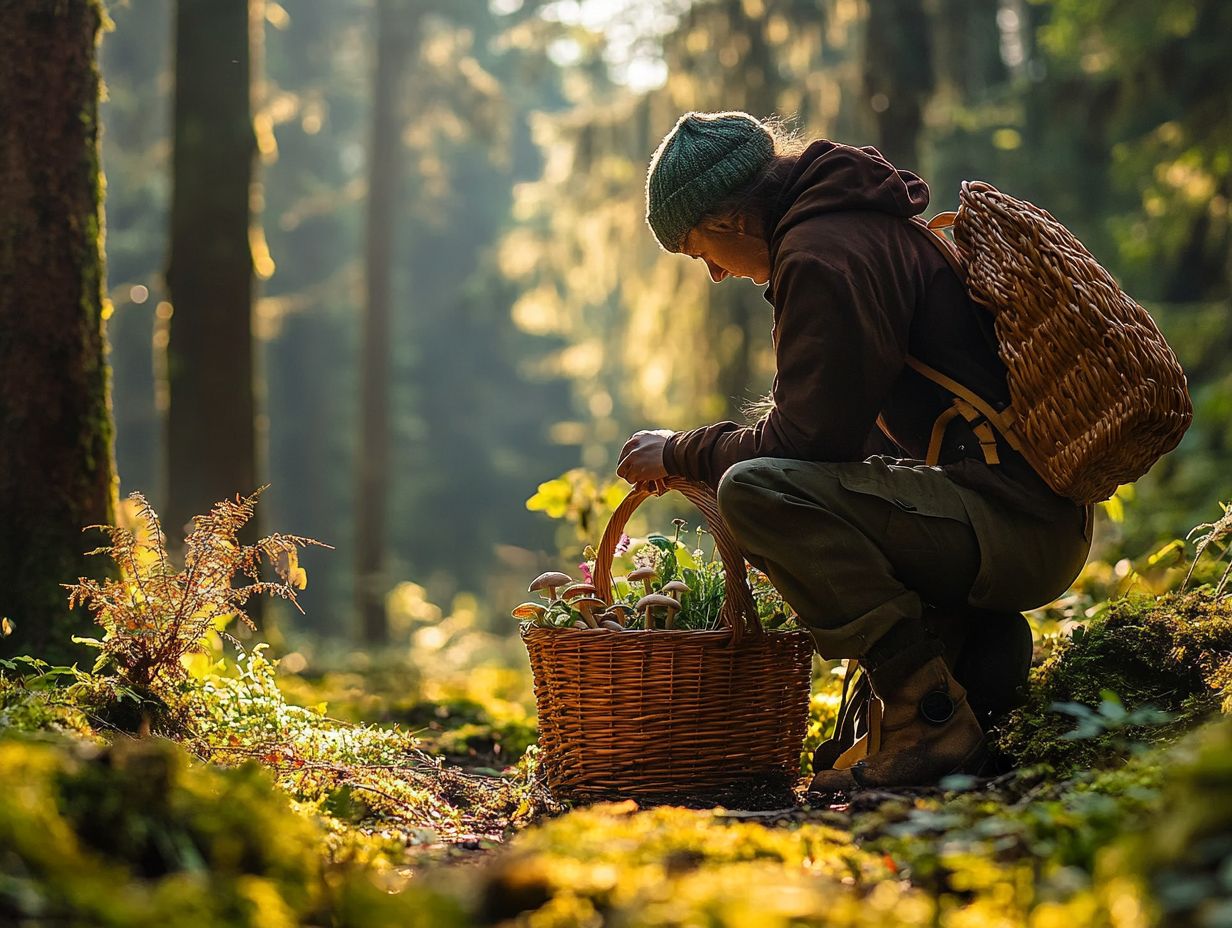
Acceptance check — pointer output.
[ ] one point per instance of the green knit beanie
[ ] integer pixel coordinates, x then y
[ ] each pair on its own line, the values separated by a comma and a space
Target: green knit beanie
706, 157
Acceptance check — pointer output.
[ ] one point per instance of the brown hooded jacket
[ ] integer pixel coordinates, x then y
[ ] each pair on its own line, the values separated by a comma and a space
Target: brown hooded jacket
855, 288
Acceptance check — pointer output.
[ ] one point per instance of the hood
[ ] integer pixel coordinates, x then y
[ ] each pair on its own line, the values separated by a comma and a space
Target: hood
831, 177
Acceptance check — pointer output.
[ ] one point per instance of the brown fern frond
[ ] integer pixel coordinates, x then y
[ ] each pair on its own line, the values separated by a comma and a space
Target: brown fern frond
155, 614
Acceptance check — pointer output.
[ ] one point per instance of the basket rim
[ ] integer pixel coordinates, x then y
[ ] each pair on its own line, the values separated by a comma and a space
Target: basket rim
699, 635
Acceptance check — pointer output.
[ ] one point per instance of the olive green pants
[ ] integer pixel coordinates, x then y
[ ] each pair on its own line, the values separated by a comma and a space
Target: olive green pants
857, 547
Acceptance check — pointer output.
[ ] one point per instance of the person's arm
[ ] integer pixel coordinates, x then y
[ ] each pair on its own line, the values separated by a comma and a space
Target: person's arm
839, 347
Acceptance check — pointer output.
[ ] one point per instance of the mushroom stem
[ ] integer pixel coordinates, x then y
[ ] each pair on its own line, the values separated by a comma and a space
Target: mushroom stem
620, 613
651, 600
587, 605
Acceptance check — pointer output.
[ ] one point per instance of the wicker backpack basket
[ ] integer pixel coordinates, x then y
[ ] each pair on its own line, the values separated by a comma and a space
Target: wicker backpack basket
1097, 396
714, 715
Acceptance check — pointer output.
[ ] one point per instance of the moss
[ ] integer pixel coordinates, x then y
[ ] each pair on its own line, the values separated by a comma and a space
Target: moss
1180, 865
615, 865
1171, 653
136, 835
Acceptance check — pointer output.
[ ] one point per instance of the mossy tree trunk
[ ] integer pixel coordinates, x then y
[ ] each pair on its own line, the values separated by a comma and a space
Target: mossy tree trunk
56, 462
211, 420
396, 30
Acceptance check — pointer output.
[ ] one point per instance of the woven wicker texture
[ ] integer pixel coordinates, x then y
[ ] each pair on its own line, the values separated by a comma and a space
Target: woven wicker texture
642, 713
1099, 395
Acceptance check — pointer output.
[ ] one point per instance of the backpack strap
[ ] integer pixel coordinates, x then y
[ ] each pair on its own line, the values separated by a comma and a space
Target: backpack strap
978, 413
935, 229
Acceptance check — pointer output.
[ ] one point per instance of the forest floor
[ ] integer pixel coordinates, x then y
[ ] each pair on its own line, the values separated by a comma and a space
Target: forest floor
417, 802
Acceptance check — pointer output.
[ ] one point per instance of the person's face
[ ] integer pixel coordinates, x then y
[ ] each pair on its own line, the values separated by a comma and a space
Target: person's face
729, 250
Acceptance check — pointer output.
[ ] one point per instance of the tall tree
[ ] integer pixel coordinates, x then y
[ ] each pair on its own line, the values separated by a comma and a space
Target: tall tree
211, 431
397, 25
898, 77
56, 470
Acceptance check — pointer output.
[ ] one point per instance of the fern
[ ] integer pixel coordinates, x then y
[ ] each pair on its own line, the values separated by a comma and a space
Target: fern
156, 614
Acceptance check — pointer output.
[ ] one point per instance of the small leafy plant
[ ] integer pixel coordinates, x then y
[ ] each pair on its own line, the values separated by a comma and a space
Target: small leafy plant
154, 615
1110, 716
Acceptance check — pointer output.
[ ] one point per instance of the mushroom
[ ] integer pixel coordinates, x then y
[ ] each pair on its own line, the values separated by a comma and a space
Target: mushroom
611, 625
580, 624
676, 589
549, 581
620, 613
586, 605
651, 600
529, 612
574, 590
645, 574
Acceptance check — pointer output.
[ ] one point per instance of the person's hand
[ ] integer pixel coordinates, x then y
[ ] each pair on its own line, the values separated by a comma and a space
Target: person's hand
641, 459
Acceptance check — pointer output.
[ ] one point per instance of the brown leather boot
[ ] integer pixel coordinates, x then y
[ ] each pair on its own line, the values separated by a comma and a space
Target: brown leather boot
927, 730
989, 653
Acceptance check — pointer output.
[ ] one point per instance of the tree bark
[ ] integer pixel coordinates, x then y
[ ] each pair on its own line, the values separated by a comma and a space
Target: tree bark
56, 461
211, 420
898, 77
397, 26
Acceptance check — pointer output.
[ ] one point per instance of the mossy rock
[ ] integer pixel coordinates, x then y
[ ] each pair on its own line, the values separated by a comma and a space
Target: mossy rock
1173, 653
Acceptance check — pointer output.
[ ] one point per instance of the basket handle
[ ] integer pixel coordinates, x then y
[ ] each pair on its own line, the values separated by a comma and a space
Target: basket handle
739, 613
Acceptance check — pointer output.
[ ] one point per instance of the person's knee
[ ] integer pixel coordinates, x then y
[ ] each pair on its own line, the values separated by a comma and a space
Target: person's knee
744, 488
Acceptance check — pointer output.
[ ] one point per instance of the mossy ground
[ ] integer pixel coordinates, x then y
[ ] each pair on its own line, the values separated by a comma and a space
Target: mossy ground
1129, 825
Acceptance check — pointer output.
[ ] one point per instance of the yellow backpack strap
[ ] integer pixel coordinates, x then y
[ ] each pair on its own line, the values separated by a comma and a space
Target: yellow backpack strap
983, 431
934, 229
973, 409
942, 221
979, 425
933, 455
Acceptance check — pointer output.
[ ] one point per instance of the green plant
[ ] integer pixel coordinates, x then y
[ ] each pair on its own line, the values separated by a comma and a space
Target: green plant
1109, 716
154, 615
669, 560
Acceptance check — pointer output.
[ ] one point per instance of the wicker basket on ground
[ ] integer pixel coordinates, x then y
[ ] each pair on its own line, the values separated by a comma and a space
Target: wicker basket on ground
656, 714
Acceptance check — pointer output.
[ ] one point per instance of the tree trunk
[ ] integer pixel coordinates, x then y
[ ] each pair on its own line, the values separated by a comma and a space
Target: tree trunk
396, 26
211, 431
56, 465
898, 77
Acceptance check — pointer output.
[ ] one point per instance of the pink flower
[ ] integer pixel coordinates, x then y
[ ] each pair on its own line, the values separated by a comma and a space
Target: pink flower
584, 567
623, 544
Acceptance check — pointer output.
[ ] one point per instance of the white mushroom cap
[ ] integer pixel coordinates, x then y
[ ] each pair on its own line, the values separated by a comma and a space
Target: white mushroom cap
573, 590
651, 600
676, 586
641, 573
549, 581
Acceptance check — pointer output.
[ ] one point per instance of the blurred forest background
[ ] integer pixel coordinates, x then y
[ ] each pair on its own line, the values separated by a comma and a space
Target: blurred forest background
453, 294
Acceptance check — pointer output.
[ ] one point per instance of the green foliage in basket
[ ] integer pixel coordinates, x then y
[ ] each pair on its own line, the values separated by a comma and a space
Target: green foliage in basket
671, 559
